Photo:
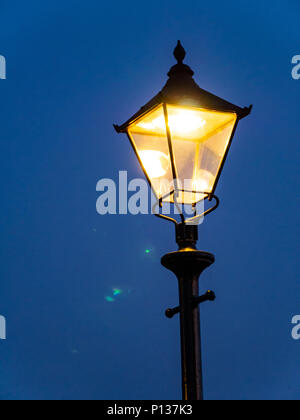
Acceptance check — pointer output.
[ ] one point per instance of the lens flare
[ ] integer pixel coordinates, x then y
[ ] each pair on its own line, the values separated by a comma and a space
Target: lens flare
117, 292
109, 299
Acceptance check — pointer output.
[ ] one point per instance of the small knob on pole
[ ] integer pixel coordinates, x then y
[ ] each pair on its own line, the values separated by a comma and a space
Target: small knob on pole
170, 312
208, 296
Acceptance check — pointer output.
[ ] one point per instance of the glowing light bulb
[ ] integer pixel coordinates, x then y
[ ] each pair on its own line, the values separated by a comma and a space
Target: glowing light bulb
185, 122
155, 163
180, 122
204, 182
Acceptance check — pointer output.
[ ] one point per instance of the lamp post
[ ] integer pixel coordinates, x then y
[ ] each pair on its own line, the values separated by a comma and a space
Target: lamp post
181, 138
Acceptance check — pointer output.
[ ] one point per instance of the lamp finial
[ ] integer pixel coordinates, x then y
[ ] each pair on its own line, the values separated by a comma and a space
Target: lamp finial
179, 53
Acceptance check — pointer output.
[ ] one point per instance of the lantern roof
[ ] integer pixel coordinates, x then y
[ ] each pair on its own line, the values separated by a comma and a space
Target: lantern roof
182, 90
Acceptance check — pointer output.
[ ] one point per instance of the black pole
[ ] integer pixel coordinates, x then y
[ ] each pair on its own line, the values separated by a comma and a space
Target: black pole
188, 263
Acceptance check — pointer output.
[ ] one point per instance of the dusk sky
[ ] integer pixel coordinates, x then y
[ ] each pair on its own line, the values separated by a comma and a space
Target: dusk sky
84, 295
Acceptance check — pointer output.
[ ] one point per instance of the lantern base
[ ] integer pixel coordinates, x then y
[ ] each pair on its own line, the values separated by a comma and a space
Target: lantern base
186, 236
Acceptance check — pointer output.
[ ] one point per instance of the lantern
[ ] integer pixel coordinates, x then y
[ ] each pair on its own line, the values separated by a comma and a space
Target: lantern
182, 137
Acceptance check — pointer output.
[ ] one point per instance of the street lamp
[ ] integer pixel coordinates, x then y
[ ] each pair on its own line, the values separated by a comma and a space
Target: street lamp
181, 138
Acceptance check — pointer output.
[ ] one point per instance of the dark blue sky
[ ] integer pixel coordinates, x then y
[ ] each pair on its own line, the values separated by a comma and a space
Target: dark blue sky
74, 68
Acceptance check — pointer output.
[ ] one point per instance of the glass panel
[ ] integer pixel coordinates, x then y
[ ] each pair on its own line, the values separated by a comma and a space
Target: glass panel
200, 139
149, 137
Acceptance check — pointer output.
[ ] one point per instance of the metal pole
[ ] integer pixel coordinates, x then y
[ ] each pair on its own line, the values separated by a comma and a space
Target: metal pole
188, 263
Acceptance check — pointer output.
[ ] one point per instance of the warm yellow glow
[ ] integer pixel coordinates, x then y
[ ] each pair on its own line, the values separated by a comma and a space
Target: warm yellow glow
180, 122
199, 140
156, 163
184, 123
204, 182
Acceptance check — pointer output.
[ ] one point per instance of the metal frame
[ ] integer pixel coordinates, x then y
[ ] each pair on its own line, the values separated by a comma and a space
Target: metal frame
225, 156
176, 190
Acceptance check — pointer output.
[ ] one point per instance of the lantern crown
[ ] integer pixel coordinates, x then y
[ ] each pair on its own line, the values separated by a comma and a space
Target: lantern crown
182, 90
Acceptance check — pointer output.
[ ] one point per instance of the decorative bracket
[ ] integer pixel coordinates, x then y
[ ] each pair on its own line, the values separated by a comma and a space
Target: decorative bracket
191, 221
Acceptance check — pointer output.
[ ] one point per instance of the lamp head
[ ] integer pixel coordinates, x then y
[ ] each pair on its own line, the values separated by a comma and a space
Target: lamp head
182, 136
